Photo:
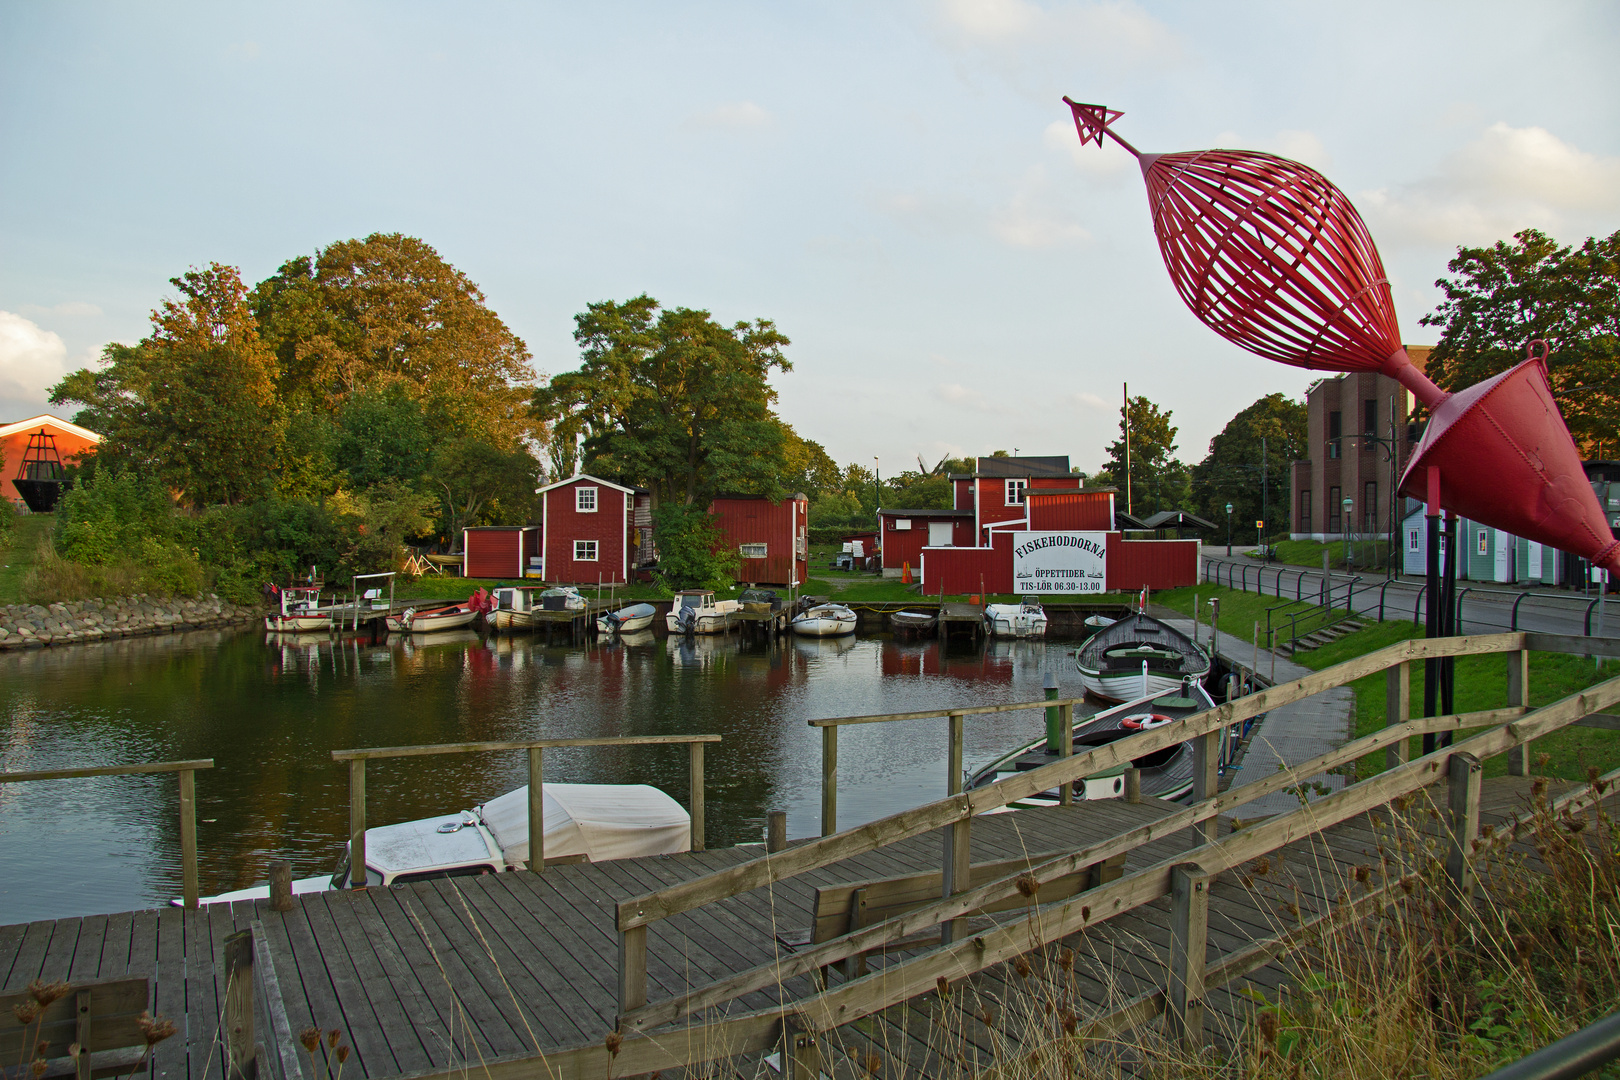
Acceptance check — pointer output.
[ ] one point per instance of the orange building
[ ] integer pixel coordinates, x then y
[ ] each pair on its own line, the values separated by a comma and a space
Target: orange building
70, 441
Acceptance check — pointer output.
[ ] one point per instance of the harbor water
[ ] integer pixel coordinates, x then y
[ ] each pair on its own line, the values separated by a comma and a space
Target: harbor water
270, 709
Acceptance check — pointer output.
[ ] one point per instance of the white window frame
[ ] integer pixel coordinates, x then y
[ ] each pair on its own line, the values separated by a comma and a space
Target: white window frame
1015, 489
1483, 543
587, 493
902, 524
1412, 540
593, 548
753, 551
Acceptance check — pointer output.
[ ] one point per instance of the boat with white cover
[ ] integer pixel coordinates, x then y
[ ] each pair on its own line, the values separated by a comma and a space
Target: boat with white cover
1023, 619
627, 620
696, 611
584, 823
1136, 656
300, 611
824, 620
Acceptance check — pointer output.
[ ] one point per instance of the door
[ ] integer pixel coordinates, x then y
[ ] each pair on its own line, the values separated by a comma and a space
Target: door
1534, 560
1504, 558
939, 533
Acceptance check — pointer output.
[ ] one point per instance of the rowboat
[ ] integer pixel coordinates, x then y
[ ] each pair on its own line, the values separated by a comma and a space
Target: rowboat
1023, 619
1165, 774
1137, 656
824, 620
427, 620
626, 620
918, 623
300, 611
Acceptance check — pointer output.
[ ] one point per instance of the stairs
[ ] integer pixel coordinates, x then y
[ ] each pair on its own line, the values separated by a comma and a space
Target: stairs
1321, 637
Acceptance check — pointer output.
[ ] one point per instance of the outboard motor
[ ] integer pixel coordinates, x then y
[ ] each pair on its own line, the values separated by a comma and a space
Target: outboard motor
686, 621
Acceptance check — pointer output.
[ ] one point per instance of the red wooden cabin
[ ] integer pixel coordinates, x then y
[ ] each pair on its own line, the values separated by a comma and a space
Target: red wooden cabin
500, 551
907, 532
773, 539
589, 530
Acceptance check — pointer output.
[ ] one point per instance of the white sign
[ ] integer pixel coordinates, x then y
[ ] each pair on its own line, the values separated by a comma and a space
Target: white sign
1060, 562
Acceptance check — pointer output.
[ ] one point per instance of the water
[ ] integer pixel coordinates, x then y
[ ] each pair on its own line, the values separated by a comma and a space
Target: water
270, 712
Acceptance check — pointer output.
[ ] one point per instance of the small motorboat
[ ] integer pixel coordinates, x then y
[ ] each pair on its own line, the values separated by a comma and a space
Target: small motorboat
300, 612
1094, 623
428, 620
824, 620
514, 608
626, 620
912, 623
1165, 774
1023, 619
696, 611
1137, 656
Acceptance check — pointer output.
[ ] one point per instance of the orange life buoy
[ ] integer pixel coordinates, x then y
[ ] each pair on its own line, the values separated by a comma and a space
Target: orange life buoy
1143, 721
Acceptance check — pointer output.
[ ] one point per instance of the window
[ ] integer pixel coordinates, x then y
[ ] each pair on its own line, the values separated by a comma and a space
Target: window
902, 524
585, 501
1304, 510
1369, 418
1334, 521
1369, 507
1015, 492
1335, 431
1412, 540
751, 551
584, 550
1483, 542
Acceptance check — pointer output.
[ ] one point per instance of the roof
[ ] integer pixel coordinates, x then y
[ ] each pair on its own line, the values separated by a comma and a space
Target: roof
577, 477
1099, 489
1122, 520
1014, 467
1165, 519
46, 418
925, 513
797, 496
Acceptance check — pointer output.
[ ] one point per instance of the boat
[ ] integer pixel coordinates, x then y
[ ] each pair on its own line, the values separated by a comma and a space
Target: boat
1139, 655
514, 608
626, 620
696, 611
759, 601
584, 823
562, 598
1023, 619
428, 620
824, 620
1165, 774
1094, 623
300, 612
912, 623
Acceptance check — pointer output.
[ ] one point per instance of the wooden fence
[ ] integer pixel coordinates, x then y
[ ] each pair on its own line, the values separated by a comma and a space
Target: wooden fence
537, 818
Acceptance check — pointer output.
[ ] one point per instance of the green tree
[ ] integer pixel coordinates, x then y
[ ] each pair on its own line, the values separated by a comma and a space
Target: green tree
477, 482
383, 434
1232, 471
194, 404
807, 467
1504, 296
692, 552
673, 400
1158, 480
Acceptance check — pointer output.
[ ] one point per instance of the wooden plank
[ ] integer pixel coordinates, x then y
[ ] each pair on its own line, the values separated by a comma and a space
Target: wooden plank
107, 770
169, 992
116, 944
1463, 773
199, 967
373, 752
114, 1004
86, 962
357, 923
424, 989
58, 955
467, 968
241, 1046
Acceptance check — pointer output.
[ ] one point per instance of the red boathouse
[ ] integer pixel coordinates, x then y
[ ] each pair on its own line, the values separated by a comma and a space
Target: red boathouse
772, 538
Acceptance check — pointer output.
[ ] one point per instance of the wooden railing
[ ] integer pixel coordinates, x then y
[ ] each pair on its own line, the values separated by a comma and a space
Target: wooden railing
1509, 730
537, 817
188, 804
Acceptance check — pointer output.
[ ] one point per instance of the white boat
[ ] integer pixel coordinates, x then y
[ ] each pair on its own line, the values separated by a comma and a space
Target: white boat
428, 620
514, 608
584, 822
300, 611
626, 620
824, 620
1138, 656
1023, 619
696, 611
561, 598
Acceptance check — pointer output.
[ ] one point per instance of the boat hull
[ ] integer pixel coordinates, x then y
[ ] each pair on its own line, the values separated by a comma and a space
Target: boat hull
1016, 626
429, 622
297, 624
628, 626
1126, 686
824, 627
705, 624
508, 622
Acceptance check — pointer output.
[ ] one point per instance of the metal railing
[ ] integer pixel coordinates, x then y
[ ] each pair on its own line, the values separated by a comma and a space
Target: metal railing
1587, 1050
188, 804
537, 818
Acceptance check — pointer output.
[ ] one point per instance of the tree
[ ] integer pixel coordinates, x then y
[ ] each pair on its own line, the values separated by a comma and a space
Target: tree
673, 400
807, 467
194, 404
692, 552
478, 482
383, 434
389, 309
1232, 472
1158, 481
1506, 295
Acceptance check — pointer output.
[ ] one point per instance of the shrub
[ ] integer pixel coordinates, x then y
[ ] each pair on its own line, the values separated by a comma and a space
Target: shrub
692, 552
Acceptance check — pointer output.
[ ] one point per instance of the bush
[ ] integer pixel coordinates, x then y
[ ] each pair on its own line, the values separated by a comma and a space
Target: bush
692, 552
107, 517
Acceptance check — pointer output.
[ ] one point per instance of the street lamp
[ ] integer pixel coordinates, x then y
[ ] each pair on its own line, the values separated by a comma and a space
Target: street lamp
1228, 530
1348, 503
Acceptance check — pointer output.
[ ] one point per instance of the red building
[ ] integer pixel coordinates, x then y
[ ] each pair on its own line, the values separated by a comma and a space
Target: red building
773, 539
70, 441
995, 490
499, 551
907, 532
591, 530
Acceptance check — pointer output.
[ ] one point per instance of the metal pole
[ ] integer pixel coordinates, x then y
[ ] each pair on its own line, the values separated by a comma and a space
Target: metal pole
1448, 627
1265, 513
1431, 613
1126, 414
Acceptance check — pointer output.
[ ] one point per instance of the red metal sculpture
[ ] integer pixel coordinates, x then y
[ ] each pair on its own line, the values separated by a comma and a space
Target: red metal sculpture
1272, 256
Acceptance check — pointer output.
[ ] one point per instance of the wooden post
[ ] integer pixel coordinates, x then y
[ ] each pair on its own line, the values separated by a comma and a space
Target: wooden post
1518, 693
829, 779
357, 823
632, 968
281, 894
694, 775
1066, 749
1462, 798
82, 1033
775, 830
241, 1056
1189, 937
957, 863
1398, 709
1206, 775
188, 837
537, 811
1133, 784
801, 1052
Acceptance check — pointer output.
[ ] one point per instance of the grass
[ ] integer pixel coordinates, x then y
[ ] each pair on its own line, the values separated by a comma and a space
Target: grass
1368, 553
21, 545
1241, 611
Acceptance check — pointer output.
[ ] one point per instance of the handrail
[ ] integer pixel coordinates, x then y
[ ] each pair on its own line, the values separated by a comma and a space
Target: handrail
537, 818
188, 804
1583, 1052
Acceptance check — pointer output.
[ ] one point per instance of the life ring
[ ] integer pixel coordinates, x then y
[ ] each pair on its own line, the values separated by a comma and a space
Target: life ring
1143, 721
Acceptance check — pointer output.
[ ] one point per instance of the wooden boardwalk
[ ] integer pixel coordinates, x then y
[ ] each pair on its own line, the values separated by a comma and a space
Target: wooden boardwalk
439, 975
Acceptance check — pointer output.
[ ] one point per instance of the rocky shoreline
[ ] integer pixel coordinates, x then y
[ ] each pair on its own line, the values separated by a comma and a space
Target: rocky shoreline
30, 626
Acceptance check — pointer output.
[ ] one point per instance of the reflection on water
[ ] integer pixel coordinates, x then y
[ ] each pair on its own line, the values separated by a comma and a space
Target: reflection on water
270, 709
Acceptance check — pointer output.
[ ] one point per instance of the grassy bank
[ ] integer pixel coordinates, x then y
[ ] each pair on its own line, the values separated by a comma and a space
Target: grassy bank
1370, 553
21, 547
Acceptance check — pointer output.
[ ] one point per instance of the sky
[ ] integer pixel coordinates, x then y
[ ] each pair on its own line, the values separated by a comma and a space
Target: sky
897, 185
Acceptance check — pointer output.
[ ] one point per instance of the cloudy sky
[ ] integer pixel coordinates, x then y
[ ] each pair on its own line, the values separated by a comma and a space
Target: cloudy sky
897, 185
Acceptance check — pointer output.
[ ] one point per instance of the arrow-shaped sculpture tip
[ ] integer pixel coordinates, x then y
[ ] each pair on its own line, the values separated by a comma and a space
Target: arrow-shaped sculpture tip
1094, 121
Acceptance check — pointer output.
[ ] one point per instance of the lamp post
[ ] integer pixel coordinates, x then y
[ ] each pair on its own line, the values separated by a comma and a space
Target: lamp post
1348, 503
877, 502
1228, 530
